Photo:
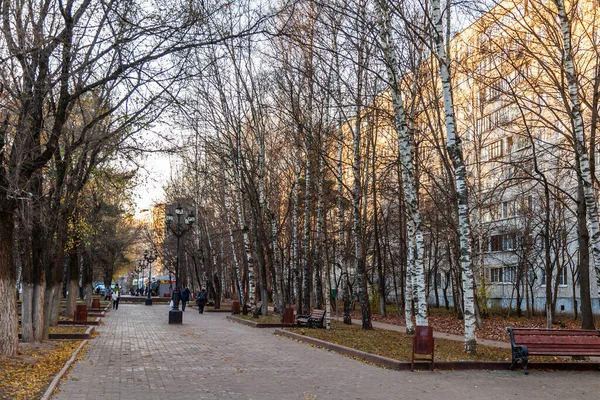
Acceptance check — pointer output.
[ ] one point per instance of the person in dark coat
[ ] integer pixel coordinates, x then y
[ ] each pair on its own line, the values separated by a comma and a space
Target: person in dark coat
185, 297
201, 300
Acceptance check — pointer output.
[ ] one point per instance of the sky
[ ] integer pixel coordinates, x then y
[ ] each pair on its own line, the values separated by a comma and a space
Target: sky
152, 178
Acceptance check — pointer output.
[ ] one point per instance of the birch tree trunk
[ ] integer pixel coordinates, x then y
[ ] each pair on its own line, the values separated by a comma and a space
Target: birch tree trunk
296, 270
277, 289
340, 226
456, 155
413, 216
306, 233
318, 263
356, 197
236, 265
239, 207
579, 142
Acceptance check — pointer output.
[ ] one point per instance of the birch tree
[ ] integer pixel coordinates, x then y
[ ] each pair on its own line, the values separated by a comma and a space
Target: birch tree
415, 234
456, 155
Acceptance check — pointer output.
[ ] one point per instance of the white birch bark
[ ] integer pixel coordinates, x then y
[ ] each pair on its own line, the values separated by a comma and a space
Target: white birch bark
277, 289
306, 234
593, 226
356, 197
415, 270
239, 207
318, 264
340, 221
456, 155
296, 271
327, 297
236, 265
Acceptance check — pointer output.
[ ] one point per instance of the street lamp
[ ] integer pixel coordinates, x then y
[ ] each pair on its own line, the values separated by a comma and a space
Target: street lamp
178, 229
150, 258
140, 270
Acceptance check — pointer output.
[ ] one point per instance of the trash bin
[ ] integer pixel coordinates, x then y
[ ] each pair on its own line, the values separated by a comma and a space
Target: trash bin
288, 315
235, 307
81, 313
96, 303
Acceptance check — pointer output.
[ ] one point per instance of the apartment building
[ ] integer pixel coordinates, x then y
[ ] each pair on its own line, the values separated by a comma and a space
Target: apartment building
512, 108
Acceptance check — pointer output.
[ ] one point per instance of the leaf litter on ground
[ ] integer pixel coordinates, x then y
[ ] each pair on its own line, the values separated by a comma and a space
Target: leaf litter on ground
27, 375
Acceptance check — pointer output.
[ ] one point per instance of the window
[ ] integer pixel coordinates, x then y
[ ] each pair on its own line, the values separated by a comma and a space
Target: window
494, 150
496, 275
562, 277
502, 116
509, 144
509, 241
501, 275
543, 277
508, 274
509, 209
503, 242
496, 243
522, 141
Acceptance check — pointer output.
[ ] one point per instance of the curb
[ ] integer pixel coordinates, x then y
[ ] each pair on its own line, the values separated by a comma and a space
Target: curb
257, 324
48, 393
71, 336
439, 365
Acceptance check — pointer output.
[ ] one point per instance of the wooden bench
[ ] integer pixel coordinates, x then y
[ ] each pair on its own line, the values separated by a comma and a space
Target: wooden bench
312, 320
552, 342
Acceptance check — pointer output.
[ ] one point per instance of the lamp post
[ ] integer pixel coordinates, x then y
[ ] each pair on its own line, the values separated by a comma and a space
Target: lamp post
150, 258
139, 270
178, 229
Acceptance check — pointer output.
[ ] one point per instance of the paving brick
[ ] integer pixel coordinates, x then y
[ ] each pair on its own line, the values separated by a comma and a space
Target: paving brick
138, 355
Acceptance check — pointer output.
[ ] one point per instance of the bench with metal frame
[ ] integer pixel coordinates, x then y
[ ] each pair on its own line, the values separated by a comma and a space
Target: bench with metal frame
312, 320
551, 342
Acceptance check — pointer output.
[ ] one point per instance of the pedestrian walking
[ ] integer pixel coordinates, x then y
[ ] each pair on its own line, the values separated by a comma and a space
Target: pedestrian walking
118, 292
201, 301
115, 298
185, 297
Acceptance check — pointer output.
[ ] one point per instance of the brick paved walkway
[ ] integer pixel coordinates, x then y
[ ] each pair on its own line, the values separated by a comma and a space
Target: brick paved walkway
138, 356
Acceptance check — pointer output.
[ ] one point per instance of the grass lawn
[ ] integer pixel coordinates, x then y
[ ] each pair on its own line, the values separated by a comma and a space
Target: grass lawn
398, 345
494, 325
269, 319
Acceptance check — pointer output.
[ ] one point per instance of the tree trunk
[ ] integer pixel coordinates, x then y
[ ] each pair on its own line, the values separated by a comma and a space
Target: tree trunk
236, 265
9, 339
72, 282
357, 233
306, 281
582, 162
295, 258
413, 216
456, 155
587, 318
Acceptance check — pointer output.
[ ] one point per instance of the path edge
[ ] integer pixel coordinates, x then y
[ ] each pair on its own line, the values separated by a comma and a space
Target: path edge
48, 393
397, 365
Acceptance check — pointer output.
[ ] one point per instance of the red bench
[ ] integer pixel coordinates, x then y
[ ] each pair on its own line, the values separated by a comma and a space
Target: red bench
552, 342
